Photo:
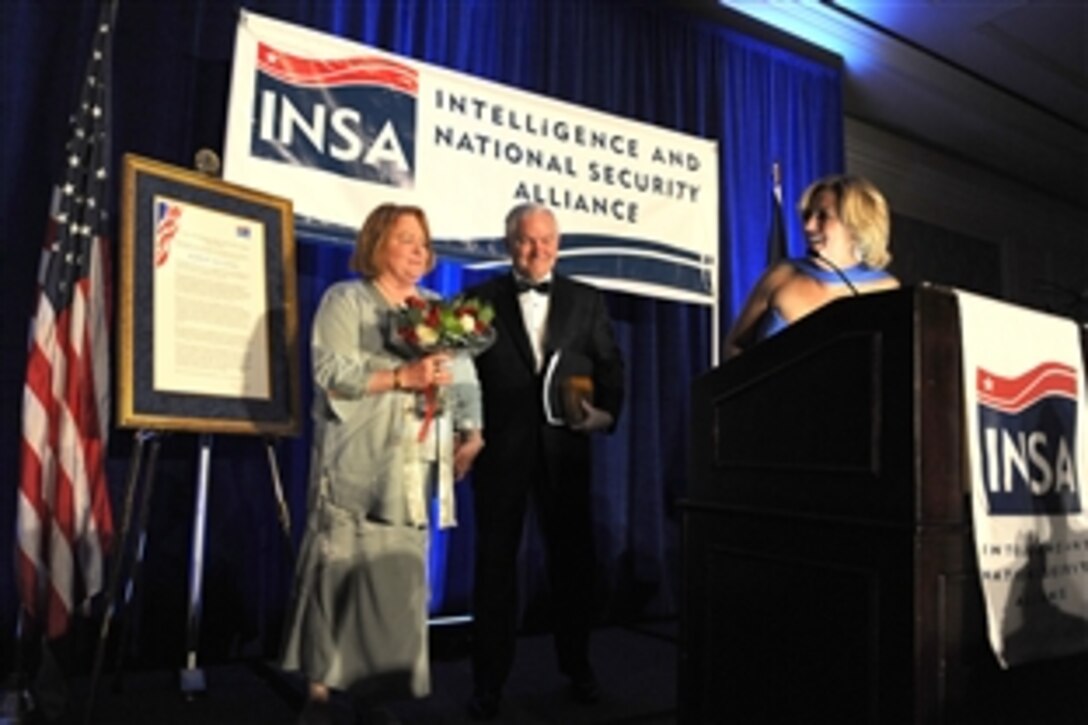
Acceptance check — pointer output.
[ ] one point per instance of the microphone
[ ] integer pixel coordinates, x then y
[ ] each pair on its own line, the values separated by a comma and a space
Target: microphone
815, 253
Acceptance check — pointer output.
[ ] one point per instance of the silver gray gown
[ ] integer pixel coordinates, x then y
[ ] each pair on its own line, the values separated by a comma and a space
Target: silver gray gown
357, 619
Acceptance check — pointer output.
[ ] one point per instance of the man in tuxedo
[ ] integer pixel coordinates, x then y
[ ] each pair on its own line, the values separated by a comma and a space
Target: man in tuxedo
548, 326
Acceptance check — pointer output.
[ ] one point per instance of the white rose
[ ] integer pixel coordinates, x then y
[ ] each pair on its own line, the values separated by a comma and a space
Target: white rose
468, 323
426, 335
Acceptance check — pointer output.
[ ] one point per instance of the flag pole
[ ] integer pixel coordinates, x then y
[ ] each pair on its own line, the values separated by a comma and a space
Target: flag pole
777, 246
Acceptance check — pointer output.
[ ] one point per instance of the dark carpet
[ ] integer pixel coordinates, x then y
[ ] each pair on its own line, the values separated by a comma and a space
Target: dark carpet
636, 667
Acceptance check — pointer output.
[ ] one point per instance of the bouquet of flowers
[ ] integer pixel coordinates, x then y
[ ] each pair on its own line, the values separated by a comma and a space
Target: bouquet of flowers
423, 327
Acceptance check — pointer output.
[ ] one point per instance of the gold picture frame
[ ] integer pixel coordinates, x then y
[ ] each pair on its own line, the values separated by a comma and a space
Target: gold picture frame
208, 315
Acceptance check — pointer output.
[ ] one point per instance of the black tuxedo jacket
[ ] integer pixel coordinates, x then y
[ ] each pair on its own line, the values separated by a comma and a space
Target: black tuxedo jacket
516, 432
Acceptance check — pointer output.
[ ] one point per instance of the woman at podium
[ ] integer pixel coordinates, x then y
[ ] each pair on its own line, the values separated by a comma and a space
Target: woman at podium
846, 223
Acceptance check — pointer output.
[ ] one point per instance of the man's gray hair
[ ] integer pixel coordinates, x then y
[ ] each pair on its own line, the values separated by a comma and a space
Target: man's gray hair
519, 212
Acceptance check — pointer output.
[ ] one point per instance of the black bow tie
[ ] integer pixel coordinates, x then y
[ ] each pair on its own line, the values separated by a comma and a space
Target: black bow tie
525, 285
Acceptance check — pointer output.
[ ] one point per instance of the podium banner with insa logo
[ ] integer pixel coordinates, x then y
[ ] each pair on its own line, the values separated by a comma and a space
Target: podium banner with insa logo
1024, 397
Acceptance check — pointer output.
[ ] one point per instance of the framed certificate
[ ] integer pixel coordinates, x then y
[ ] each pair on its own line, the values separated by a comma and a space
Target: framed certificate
208, 314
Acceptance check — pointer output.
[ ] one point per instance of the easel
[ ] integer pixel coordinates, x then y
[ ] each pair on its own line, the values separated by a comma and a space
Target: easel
154, 411
130, 554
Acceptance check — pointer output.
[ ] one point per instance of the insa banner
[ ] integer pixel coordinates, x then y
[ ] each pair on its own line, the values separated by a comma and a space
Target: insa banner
1024, 401
340, 127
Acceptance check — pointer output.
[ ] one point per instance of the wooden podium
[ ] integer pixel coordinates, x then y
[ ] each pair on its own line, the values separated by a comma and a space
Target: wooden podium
829, 568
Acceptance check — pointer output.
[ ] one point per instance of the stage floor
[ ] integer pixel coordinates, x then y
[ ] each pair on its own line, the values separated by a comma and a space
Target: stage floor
636, 667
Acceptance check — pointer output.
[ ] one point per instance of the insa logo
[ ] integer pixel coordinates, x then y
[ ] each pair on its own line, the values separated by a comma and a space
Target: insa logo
354, 117
1027, 434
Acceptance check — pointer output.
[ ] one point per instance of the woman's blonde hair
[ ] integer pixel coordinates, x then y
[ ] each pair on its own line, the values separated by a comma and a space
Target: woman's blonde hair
862, 209
373, 238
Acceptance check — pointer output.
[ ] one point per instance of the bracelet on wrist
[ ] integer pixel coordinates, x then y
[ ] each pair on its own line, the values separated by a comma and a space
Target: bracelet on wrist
396, 379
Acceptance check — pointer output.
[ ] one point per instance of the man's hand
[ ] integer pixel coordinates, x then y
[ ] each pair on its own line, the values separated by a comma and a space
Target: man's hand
596, 419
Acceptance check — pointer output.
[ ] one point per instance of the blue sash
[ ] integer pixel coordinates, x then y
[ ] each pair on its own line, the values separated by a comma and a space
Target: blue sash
859, 273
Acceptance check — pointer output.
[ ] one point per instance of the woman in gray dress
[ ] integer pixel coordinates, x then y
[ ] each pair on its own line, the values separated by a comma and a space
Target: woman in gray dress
357, 621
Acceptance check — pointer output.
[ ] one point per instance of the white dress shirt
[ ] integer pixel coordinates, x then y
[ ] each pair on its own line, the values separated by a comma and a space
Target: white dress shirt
534, 313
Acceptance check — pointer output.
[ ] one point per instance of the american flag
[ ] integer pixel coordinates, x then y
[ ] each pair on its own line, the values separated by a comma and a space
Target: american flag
64, 524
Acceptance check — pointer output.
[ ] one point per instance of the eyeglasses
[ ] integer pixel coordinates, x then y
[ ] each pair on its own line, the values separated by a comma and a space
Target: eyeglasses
822, 215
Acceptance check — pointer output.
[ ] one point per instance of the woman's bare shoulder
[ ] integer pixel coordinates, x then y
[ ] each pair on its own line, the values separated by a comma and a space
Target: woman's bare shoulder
779, 274
887, 283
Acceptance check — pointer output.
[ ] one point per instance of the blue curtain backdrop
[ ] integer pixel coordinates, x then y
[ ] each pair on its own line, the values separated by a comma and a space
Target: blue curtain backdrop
780, 110
642, 60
